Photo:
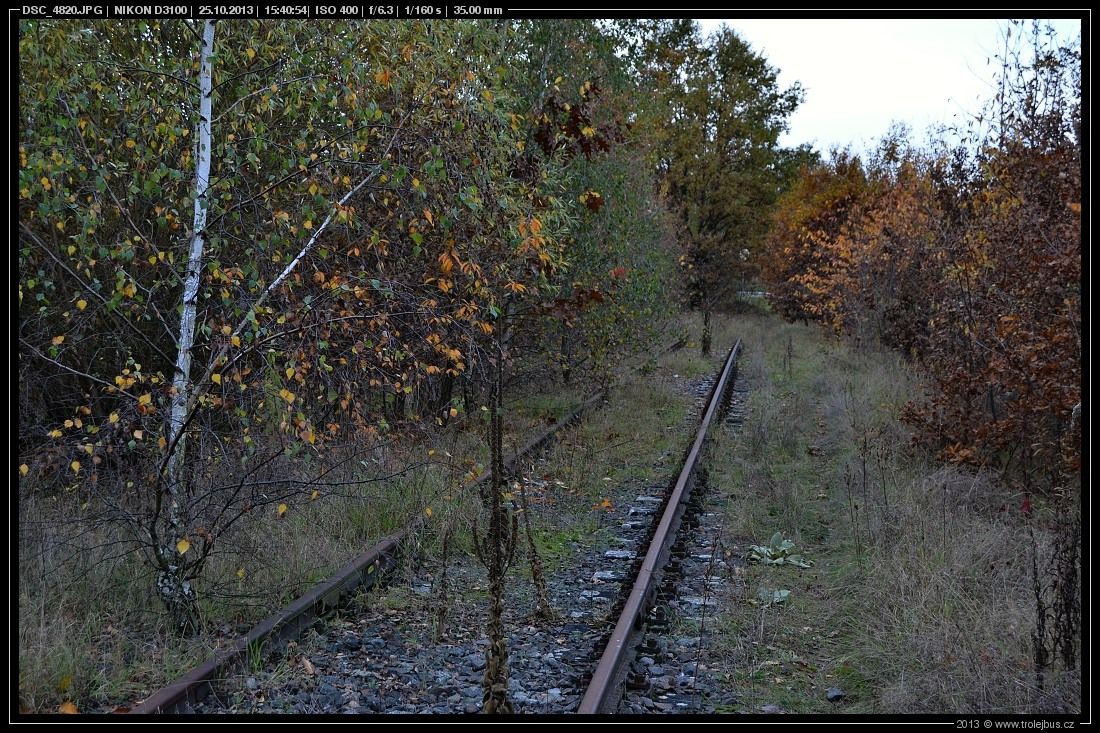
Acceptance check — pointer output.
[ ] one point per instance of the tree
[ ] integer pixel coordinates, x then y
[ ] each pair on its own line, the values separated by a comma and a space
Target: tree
311, 307
721, 164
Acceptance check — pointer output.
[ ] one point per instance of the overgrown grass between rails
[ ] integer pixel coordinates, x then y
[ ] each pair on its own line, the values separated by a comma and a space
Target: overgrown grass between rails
920, 596
634, 443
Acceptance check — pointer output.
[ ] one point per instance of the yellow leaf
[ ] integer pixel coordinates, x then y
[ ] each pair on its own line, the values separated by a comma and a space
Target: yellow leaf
112, 418
453, 412
162, 443
428, 512
227, 329
131, 144
81, 304
58, 340
75, 465
308, 224
313, 496
55, 433
250, 53
145, 399
282, 509
287, 395
236, 340
67, 708
310, 437
240, 573
216, 378
65, 683
23, 469
183, 546
289, 372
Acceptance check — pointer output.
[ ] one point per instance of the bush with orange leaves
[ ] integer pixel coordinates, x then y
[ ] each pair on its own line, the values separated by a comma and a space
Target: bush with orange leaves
969, 261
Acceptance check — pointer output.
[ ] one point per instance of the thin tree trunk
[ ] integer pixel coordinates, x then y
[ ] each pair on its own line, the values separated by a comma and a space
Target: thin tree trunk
499, 548
174, 589
705, 341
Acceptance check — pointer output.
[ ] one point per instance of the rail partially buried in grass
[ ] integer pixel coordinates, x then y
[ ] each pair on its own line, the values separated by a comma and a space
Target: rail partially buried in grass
604, 691
364, 572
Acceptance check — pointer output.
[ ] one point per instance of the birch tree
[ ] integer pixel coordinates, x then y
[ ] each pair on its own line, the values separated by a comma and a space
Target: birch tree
174, 589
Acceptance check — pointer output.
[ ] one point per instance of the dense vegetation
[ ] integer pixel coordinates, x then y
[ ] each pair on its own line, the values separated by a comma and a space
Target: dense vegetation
252, 252
966, 256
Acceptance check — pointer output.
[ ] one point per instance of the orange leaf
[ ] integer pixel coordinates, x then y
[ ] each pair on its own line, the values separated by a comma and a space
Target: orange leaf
67, 708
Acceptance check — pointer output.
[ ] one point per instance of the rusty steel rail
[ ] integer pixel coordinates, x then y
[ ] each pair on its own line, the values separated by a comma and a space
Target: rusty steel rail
605, 688
365, 571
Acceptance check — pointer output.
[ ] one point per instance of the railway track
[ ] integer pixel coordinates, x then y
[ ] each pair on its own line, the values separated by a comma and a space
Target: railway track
608, 681
386, 659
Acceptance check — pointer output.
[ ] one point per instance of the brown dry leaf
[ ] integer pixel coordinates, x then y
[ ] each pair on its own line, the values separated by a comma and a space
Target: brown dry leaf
308, 666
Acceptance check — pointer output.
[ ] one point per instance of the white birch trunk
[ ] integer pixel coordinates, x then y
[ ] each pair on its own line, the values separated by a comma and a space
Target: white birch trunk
174, 589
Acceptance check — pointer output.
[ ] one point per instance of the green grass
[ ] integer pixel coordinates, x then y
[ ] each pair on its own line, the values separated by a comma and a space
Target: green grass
919, 596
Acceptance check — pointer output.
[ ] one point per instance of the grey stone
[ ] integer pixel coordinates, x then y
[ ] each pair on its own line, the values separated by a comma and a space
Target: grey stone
664, 682
834, 694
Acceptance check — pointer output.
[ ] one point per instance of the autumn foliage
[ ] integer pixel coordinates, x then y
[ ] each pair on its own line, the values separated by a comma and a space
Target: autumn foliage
968, 259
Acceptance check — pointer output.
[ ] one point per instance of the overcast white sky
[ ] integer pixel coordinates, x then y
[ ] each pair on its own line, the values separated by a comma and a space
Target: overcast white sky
861, 75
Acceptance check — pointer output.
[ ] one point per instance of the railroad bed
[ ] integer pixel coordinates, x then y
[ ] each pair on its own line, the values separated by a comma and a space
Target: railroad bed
384, 653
